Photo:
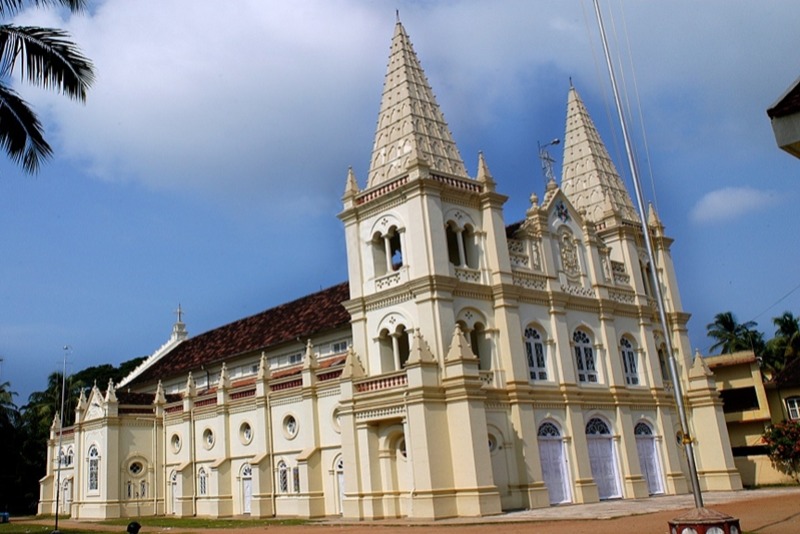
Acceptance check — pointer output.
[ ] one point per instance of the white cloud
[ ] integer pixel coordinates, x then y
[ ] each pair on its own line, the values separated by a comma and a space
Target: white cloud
731, 203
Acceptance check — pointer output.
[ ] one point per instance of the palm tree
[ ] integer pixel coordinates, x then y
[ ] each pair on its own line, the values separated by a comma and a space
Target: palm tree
731, 336
43, 57
9, 413
786, 343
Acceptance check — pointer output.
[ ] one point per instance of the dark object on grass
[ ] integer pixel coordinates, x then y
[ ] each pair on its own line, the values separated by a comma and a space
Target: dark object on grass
133, 527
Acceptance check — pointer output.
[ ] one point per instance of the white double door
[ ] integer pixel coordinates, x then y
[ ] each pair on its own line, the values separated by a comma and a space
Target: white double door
554, 470
648, 460
604, 466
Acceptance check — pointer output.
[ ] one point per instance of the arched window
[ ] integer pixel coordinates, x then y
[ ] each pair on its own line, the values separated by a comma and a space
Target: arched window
548, 430
793, 407
70, 456
642, 429
94, 468
283, 477
387, 251
629, 362
296, 479
584, 357
597, 427
395, 347
203, 482
663, 365
534, 350
462, 246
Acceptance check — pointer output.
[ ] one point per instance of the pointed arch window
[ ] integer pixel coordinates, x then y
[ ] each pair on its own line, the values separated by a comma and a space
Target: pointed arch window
548, 430
584, 357
629, 362
94, 469
203, 481
663, 365
534, 351
283, 477
597, 427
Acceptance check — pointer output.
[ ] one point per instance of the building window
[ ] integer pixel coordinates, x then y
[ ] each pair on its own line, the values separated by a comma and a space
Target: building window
143, 489
629, 362
203, 481
69, 457
208, 438
283, 477
387, 251
462, 249
135, 468
246, 433
395, 347
663, 364
94, 469
296, 479
584, 357
739, 399
597, 427
793, 406
339, 347
534, 350
290, 427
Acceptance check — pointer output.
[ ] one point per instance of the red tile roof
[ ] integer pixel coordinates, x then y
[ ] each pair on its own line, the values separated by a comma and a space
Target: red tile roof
302, 318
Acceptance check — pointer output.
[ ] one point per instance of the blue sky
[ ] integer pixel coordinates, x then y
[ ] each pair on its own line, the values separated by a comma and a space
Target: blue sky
208, 164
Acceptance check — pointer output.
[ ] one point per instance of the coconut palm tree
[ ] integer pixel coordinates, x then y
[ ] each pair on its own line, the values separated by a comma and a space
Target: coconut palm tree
44, 57
730, 336
786, 343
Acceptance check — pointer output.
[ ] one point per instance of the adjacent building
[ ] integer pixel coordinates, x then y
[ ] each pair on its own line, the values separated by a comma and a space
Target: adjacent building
468, 365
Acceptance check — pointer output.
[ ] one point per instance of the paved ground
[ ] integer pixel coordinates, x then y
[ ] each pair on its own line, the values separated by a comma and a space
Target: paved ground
765, 511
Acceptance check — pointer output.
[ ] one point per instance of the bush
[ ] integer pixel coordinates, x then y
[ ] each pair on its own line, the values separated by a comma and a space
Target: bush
783, 445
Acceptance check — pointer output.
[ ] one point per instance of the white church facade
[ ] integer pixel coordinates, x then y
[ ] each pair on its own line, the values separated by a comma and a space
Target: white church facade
467, 367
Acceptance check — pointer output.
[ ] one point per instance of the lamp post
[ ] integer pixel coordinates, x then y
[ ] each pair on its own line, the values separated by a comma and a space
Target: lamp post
67, 348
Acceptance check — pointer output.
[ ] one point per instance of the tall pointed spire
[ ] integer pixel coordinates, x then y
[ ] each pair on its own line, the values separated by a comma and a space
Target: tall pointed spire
410, 121
589, 179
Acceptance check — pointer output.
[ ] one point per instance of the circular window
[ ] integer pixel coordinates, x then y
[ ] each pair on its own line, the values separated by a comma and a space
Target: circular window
208, 438
290, 426
336, 418
246, 433
492, 443
176, 442
135, 468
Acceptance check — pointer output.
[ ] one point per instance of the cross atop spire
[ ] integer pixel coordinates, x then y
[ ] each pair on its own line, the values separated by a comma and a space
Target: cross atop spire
411, 126
589, 178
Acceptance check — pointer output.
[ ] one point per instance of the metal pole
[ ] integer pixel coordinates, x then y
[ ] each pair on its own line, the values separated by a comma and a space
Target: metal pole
60, 436
686, 438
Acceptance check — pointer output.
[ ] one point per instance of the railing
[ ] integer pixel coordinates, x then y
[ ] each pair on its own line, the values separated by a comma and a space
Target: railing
370, 195
468, 185
396, 380
289, 384
243, 394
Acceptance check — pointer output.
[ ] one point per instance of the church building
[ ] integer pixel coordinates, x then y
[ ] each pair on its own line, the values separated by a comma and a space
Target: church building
468, 366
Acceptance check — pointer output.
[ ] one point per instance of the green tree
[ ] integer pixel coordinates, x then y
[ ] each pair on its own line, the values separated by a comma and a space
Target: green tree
43, 57
785, 345
731, 336
783, 446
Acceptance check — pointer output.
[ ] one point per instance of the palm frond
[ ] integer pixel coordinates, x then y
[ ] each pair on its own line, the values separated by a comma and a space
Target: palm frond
10, 7
21, 133
49, 59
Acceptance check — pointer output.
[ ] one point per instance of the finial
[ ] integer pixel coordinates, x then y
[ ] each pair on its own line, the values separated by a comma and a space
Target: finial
179, 313
397, 15
570, 83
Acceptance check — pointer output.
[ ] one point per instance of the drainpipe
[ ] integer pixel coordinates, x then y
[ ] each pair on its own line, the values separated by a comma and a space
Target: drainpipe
271, 444
194, 462
407, 437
